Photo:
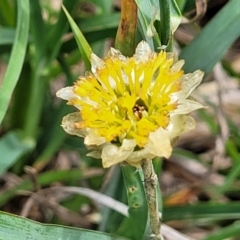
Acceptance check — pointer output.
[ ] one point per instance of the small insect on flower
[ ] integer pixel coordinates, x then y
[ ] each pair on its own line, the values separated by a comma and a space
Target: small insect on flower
138, 111
134, 108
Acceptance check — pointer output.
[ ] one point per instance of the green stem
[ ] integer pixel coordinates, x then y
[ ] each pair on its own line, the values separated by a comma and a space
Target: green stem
126, 33
34, 107
151, 183
165, 21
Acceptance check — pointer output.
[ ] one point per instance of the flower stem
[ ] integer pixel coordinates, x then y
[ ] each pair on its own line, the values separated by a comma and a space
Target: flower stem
151, 183
126, 33
165, 21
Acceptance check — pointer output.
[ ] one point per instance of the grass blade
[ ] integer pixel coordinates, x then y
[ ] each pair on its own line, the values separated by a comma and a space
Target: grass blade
210, 45
7, 14
226, 232
6, 36
82, 43
17, 56
11, 226
138, 210
12, 147
200, 211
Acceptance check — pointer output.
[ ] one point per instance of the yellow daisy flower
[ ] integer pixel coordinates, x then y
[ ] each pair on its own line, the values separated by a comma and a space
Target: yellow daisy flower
132, 109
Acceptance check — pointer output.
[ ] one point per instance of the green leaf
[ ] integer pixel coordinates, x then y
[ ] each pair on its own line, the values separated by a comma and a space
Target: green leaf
97, 197
138, 210
41, 61
94, 28
7, 14
225, 233
6, 36
114, 188
181, 4
231, 177
99, 23
15, 227
198, 211
209, 46
106, 5
149, 12
12, 147
53, 135
43, 180
37, 27
17, 57
55, 32
145, 17
82, 43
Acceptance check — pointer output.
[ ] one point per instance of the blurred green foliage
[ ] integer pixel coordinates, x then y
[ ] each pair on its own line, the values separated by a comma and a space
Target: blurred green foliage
40, 55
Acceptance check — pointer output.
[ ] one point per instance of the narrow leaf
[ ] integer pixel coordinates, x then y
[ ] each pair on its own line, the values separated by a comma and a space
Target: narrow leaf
12, 147
15, 227
17, 57
43, 179
149, 14
138, 210
228, 232
7, 14
7, 36
201, 211
82, 43
213, 41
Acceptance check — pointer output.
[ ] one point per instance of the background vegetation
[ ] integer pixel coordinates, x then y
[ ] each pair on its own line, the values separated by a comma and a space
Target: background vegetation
40, 165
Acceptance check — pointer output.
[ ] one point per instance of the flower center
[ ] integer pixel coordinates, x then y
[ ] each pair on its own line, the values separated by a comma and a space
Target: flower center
138, 111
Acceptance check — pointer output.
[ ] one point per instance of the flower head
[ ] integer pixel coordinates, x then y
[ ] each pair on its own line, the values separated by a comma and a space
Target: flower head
132, 108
